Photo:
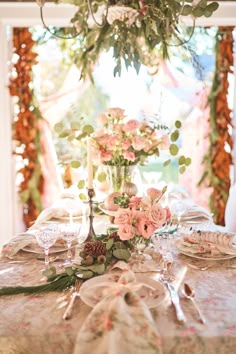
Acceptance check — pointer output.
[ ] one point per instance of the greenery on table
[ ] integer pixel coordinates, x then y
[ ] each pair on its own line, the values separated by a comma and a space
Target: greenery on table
134, 29
105, 251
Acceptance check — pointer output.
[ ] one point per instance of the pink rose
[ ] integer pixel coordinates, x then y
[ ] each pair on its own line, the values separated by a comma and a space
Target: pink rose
99, 133
115, 113
123, 216
131, 125
112, 140
168, 213
157, 215
126, 232
102, 119
105, 156
145, 227
134, 202
154, 193
129, 155
125, 144
165, 142
138, 143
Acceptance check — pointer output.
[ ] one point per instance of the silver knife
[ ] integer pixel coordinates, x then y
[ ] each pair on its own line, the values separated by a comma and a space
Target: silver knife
175, 301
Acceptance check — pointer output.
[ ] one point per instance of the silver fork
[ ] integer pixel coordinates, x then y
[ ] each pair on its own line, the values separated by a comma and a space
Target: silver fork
68, 312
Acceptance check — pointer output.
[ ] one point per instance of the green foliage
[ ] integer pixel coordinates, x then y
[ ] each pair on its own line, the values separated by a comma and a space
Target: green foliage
134, 34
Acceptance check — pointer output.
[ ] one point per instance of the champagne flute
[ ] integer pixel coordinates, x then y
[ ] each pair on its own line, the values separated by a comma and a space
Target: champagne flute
46, 238
164, 242
178, 208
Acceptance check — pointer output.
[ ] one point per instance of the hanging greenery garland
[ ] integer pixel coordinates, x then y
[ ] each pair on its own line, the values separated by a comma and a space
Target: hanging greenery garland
26, 132
218, 158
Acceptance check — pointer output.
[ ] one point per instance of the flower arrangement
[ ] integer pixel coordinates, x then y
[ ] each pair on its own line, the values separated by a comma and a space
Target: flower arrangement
134, 29
138, 218
124, 142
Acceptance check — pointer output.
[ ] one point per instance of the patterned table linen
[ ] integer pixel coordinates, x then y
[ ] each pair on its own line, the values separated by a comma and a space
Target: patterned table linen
33, 324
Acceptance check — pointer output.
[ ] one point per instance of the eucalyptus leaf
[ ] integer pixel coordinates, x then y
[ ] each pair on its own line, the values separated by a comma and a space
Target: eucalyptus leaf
109, 244
188, 161
85, 274
122, 254
167, 162
64, 134
182, 160
88, 129
178, 124
182, 169
174, 136
81, 184
173, 149
58, 127
102, 176
75, 125
75, 164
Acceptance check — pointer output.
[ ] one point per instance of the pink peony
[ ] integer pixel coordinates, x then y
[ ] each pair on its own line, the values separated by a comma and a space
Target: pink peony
112, 139
154, 193
126, 232
123, 216
145, 227
125, 144
129, 155
157, 215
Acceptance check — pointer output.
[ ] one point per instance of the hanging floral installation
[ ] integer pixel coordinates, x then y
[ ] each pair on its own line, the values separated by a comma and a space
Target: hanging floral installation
219, 158
26, 133
136, 30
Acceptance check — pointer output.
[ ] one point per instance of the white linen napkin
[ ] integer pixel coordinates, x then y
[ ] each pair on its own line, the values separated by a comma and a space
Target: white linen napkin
120, 323
17, 243
210, 241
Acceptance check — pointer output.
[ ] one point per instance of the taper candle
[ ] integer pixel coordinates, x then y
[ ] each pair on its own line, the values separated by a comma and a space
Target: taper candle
89, 164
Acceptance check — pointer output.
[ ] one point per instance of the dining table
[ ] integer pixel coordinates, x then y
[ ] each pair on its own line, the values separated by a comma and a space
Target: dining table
34, 323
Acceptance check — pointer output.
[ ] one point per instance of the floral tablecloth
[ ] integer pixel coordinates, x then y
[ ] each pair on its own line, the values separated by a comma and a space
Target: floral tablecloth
34, 324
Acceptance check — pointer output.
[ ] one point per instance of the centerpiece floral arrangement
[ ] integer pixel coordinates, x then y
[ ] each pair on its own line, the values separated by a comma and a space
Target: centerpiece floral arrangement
134, 29
139, 217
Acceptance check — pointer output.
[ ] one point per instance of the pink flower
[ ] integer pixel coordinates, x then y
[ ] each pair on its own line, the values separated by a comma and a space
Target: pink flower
105, 156
125, 144
123, 216
131, 125
111, 141
145, 227
115, 113
102, 119
126, 232
168, 213
138, 143
154, 193
157, 215
129, 155
165, 142
134, 202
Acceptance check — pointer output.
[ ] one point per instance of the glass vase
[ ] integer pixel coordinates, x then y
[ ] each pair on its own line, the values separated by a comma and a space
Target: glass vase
119, 175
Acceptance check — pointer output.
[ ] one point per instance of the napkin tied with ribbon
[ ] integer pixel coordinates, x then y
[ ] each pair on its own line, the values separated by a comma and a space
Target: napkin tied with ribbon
120, 323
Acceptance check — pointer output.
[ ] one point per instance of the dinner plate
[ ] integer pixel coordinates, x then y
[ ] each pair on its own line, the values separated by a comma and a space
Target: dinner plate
152, 292
67, 218
107, 211
204, 256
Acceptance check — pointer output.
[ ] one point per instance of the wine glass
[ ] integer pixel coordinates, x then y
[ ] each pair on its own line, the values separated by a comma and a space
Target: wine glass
164, 243
69, 232
46, 237
178, 208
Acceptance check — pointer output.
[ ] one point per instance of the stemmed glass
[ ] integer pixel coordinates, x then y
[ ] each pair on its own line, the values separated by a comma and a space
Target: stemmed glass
163, 243
178, 208
69, 232
46, 237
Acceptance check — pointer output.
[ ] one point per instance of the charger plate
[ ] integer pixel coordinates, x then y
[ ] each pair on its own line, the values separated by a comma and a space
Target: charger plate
152, 292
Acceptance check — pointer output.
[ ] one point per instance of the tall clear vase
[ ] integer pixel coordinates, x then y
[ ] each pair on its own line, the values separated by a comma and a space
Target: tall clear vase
119, 175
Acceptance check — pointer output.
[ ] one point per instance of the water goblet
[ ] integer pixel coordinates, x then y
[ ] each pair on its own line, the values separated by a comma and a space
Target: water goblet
46, 237
69, 232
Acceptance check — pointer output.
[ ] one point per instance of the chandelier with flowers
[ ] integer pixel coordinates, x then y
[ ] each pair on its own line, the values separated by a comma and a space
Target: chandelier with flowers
136, 30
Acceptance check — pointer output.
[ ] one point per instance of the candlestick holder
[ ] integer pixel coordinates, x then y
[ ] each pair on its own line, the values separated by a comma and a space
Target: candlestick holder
91, 233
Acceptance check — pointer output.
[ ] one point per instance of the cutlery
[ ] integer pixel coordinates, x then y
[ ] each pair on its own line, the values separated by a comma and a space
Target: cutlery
68, 312
175, 301
200, 268
189, 293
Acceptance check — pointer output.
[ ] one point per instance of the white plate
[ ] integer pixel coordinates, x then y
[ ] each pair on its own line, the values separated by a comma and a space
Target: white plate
204, 256
67, 218
92, 291
107, 211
